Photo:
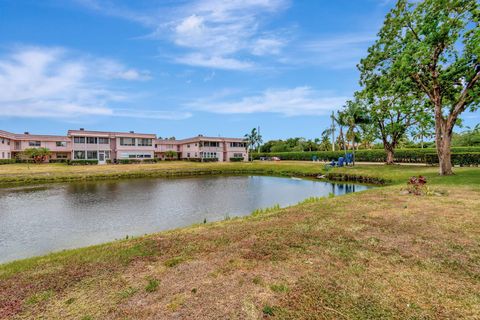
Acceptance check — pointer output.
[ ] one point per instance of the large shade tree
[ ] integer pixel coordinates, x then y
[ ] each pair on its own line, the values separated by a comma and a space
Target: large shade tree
392, 109
436, 45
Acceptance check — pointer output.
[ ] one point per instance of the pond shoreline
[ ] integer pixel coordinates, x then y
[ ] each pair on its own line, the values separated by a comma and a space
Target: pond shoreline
73, 174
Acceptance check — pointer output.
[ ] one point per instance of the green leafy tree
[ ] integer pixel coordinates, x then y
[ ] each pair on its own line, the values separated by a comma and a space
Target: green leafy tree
171, 154
432, 46
38, 155
468, 138
391, 108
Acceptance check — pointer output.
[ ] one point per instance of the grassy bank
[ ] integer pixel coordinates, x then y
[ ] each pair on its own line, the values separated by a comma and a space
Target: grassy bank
24, 174
21, 174
375, 254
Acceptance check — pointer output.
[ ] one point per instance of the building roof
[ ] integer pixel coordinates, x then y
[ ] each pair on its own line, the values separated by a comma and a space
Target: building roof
24, 136
110, 134
203, 138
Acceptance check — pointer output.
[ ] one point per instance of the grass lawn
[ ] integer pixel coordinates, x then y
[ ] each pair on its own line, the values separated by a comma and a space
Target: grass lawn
371, 255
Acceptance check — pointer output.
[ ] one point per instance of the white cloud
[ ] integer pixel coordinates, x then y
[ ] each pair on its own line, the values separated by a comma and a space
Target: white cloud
218, 62
111, 69
267, 46
289, 102
335, 52
212, 33
56, 83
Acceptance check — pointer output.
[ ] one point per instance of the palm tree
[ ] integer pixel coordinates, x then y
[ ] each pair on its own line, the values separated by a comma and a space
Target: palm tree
252, 139
351, 116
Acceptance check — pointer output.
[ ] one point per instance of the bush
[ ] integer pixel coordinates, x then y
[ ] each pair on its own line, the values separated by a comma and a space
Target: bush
458, 159
128, 161
202, 160
24, 161
7, 161
82, 162
373, 155
58, 161
236, 159
109, 161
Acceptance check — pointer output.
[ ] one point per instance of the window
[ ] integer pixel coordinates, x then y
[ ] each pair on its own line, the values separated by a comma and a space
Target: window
237, 144
127, 155
61, 143
78, 155
3, 141
188, 146
144, 142
34, 143
92, 140
17, 145
188, 155
103, 141
211, 144
3, 155
92, 155
127, 141
208, 155
62, 156
79, 139
238, 155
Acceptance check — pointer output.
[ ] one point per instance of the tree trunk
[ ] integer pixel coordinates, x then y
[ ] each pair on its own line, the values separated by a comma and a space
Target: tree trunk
390, 154
443, 141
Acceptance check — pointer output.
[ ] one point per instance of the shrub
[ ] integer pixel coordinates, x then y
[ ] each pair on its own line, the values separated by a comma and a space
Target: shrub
24, 161
58, 161
460, 158
373, 155
128, 161
202, 159
82, 162
7, 161
235, 159
416, 185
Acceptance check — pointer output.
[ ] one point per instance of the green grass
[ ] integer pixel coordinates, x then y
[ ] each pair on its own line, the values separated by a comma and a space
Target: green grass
369, 255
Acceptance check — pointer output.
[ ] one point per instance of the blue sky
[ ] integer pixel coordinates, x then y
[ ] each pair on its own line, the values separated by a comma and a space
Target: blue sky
184, 67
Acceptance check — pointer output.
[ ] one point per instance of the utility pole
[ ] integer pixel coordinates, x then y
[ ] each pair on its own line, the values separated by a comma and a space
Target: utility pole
333, 130
258, 139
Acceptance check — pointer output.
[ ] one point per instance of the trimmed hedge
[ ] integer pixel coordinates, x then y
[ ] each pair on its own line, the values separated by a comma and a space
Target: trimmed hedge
82, 162
7, 161
458, 159
58, 160
201, 160
236, 159
373, 155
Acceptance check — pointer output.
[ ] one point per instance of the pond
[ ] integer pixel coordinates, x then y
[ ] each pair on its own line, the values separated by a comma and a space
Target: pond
42, 219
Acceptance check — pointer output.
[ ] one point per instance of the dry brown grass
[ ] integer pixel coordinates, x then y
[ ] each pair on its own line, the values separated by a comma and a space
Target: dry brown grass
371, 255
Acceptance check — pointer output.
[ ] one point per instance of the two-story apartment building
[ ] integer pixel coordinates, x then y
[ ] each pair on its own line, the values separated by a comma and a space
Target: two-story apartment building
222, 149
11, 144
103, 145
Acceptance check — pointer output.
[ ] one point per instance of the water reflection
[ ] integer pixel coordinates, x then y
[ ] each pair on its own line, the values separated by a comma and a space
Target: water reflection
35, 221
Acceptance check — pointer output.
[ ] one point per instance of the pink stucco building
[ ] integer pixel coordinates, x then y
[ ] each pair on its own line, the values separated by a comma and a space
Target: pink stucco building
102, 146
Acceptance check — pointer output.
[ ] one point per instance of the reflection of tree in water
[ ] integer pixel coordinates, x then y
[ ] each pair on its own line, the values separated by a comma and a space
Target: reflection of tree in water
104, 192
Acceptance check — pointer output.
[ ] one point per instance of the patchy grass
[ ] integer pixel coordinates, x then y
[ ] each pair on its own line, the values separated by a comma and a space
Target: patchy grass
152, 285
372, 255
